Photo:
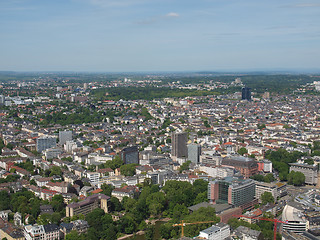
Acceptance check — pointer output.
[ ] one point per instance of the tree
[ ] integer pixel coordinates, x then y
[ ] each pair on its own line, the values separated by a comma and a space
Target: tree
184, 166
128, 169
115, 205
267, 197
94, 219
107, 189
242, 151
296, 178
156, 202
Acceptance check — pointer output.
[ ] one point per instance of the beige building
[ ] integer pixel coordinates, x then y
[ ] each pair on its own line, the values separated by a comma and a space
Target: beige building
276, 189
88, 205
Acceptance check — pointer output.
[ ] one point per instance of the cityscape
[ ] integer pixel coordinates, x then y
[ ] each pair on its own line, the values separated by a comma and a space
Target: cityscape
157, 119
151, 156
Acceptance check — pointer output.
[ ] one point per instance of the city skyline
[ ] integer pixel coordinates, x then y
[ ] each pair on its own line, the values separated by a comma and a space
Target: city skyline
141, 35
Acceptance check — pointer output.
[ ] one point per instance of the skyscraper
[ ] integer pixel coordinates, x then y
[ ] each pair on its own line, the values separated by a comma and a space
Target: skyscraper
246, 93
194, 151
179, 145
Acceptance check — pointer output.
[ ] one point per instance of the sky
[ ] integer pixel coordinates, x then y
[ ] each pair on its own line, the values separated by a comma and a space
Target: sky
159, 35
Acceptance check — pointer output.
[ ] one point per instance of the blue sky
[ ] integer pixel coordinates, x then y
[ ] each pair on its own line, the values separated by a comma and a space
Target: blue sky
159, 35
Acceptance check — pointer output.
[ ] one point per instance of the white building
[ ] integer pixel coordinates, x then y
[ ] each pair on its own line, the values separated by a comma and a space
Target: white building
267, 166
220, 231
296, 221
217, 172
93, 177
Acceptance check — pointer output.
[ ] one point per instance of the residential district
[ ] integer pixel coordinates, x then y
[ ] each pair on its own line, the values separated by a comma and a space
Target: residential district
224, 166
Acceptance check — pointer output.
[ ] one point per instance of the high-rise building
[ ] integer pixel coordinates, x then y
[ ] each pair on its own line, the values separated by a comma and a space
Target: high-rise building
194, 152
65, 136
179, 145
46, 142
2, 99
130, 155
246, 93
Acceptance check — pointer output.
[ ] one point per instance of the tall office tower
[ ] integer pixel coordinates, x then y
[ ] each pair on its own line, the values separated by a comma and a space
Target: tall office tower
2, 99
65, 136
46, 142
246, 93
130, 155
179, 145
194, 152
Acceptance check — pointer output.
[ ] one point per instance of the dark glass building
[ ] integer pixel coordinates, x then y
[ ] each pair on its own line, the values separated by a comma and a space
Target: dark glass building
246, 93
130, 155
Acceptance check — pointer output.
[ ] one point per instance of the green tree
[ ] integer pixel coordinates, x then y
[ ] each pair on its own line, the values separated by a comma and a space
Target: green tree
107, 189
267, 197
296, 178
128, 169
184, 166
242, 151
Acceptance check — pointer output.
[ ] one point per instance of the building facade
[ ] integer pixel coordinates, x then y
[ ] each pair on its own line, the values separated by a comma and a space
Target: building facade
88, 205
309, 171
296, 221
194, 152
130, 155
276, 189
65, 136
220, 231
246, 93
234, 191
179, 145
246, 166
45, 142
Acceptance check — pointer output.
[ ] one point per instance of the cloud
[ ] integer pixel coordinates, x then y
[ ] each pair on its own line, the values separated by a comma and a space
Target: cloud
172, 14
157, 19
303, 5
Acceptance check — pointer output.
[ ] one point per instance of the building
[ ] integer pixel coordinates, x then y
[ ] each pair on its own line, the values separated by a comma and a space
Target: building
234, 191
46, 142
246, 94
88, 205
309, 171
276, 189
179, 145
217, 172
2, 99
296, 221
45, 232
246, 233
33, 232
51, 153
81, 226
194, 152
247, 166
265, 166
130, 155
220, 231
65, 136
94, 177
9, 231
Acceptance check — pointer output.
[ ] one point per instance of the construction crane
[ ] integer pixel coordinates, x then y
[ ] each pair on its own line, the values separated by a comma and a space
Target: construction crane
275, 221
182, 224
